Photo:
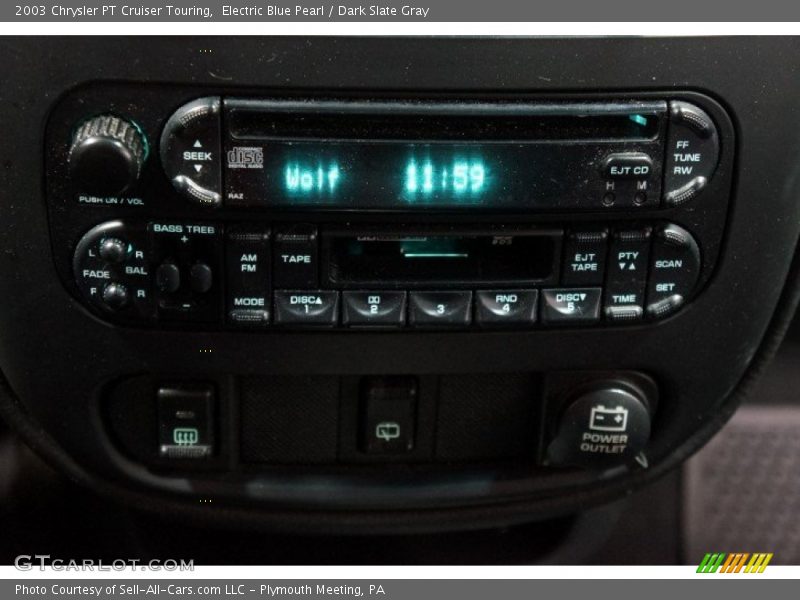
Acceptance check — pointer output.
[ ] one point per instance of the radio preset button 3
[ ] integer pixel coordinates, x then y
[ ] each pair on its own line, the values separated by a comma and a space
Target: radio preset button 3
440, 309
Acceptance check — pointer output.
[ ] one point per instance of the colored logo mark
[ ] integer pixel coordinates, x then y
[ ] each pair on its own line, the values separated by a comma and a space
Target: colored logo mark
737, 562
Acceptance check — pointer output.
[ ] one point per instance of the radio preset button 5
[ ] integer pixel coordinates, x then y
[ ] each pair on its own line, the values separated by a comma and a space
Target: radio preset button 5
317, 308
692, 152
190, 151
585, 257
380, 309
506, 307
571, 305
440, 309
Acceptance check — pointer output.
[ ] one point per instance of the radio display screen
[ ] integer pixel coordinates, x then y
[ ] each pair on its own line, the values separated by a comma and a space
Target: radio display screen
422, 161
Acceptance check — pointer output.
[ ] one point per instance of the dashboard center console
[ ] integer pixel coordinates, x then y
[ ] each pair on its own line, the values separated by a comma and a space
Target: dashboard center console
379, 299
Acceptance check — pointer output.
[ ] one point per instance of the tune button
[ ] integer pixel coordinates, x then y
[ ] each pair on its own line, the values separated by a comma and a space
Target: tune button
115, 296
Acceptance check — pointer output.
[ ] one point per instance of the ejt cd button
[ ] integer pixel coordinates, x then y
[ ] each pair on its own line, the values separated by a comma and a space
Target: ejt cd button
508, 307
445, 309
318, 308
377, 309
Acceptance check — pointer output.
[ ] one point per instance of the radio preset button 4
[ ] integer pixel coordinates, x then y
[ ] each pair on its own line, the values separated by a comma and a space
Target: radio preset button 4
506, 307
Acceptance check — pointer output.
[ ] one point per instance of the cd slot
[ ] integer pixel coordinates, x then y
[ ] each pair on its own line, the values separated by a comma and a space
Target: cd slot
411, 259
432, 122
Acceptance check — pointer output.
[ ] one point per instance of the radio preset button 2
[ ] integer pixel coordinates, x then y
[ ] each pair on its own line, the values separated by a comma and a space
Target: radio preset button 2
506, 307
571, 305
317, 308
190, 151
379, 309
440, 309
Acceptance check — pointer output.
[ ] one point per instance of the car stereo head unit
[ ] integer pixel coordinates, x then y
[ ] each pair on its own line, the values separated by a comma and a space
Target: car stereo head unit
417, 156
232, 211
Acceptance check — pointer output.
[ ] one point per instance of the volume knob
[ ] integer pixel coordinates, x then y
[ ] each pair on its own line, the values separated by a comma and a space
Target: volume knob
107, 155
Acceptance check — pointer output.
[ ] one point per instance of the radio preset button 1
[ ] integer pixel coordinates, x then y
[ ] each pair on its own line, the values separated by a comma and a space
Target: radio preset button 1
440, 309
627, 273
585, 257
674, 269
296, 257
628, 165
692, 152
190, 151
317, 308
381, 309
571, 305
506, 307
